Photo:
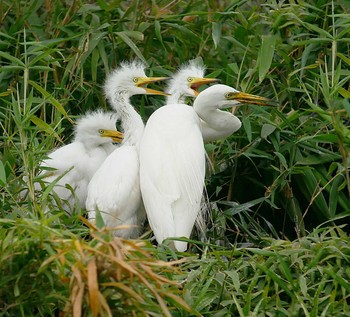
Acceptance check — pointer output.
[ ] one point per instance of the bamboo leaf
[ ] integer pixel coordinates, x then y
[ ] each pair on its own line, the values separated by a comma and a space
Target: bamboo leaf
247, 128
216, 33
334, 196
43, 126
266, 130
2, 174
320, 31
124, 36
344, 58
51, 99
12, 59
344, 93
266, 53
157, 30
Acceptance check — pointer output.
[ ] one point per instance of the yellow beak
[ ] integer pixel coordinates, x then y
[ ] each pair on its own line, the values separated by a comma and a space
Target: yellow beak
146, 80
197, 82
243, 97
115, 135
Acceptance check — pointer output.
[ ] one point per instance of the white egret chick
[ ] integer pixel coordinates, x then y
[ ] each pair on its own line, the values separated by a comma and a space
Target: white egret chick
114, 190
74, 164
186, 81
172, 159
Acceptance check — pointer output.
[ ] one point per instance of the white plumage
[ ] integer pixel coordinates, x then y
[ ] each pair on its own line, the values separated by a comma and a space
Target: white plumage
77, 162
186, 81
114, 190
172, 159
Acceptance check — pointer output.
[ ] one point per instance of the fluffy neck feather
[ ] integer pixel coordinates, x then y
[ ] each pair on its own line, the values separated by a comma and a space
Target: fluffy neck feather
131, 121
176, 96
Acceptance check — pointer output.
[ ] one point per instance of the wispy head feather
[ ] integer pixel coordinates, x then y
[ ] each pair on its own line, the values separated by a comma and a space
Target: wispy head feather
87, 127
179, 87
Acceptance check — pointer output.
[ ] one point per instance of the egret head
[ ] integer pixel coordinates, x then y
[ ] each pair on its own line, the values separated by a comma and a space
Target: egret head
188, 79
222, 96
97, 128
130, 79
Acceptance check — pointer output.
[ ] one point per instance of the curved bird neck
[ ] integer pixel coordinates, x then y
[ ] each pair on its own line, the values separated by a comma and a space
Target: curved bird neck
175, 97
131, 121
217, 124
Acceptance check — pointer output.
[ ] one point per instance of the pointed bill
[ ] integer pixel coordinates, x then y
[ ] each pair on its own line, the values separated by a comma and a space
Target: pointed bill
115, 135
243, 97
147, 80
197, 82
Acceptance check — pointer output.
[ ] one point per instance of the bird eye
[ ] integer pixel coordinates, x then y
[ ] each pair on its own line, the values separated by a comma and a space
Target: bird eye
229, 95
135, 80
189, 79
101, 131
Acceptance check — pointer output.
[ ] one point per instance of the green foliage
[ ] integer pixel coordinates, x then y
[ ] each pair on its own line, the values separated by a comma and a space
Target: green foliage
283, 174
307, 277
47, 268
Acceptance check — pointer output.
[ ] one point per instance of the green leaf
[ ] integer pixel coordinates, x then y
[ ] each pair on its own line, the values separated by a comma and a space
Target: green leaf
124, 36
216, 33
95, 39
94, 64
344, 58
49, 188
99, 222
43, 126
334, 195
266, 130
247, 127
282, 160
320, 31
345, 93
303, 285
136, 35
12, 59
3, 180
235, 279
51, 99
347, 106
266, 53
157, 29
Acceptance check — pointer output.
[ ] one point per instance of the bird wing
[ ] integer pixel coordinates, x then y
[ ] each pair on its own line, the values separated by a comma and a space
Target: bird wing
78, 163
172, 170
69, 159
114, 189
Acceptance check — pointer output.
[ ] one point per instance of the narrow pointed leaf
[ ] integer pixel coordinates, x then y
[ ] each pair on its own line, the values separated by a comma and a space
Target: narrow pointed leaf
266, 53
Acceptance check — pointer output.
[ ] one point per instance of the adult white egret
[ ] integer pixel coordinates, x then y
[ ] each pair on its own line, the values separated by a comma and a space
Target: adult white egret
75, 163
114, 190
172, 158
185, 83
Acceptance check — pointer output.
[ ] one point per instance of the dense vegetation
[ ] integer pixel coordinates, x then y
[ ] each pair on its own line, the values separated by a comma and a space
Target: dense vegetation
277, 239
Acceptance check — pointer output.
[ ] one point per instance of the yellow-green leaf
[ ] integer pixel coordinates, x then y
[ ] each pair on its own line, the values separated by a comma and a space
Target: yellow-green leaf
345, 93
43, 126
51, 99
125, 37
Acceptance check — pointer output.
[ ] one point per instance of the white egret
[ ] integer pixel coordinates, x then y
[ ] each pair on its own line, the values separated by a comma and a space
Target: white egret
172, 158
186, 81
114, 190
74, 164
184, 84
